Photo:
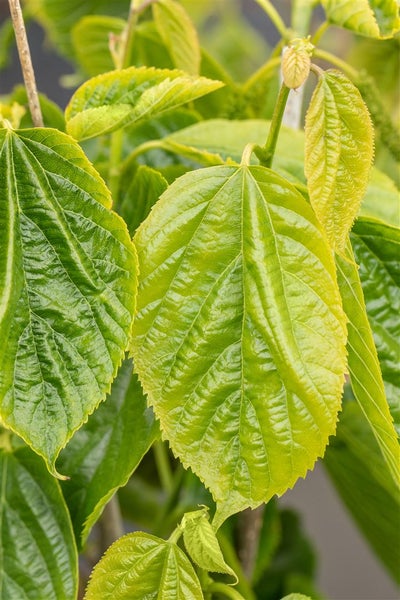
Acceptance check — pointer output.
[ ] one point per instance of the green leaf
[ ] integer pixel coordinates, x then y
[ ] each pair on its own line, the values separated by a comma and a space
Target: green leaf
143, 192
52, 114
377, 249
90, 39
296, 597
58, 18
201, 543
365, 373
239, 337
122, 426
119, 98
382, 198
149, 567
178, 34
360, 474
38, 557
67, 288
372, 18
338, 154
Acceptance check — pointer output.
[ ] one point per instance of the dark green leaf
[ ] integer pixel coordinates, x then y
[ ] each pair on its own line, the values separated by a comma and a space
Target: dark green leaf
38, 557
103, 454
67, 288
355, 463
141, 566
239, 337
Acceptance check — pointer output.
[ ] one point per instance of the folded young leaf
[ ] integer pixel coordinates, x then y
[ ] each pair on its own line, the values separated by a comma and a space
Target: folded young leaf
67, 288
240, 336
372, 18
179, 35
365, 372
121, 427
149, 568
377, 250
119, 98
38, 557
338, 154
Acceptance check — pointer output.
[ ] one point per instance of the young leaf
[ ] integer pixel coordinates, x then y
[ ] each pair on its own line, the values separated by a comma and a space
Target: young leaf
90, 39
377, 249
365, 373
149, 568
67, 288
121, 427
296, 597
360, 474
119, 98
372, 18
178, 34
201, 543
240, 336
38, 557
338, 154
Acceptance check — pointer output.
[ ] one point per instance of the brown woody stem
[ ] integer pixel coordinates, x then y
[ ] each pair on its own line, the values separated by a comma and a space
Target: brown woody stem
26, 62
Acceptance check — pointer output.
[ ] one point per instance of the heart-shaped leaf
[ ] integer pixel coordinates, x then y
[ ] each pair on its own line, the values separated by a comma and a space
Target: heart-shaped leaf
240, 337
372, 18
38, 557
67, 288
338, 154
149, 567
119, 98
121, 427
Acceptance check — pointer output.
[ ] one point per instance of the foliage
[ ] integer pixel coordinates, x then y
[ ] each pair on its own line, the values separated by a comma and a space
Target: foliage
261, 276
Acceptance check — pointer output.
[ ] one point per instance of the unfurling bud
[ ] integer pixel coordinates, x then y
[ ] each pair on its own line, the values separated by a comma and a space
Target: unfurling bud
296, 62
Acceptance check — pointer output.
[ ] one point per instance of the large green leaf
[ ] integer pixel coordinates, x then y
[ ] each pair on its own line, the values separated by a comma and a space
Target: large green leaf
90, 39
377, 250
239, 337
121, 427
119, 98
38, 558
365, 373
140, 565
178, 34
58, 18
372, 18
355, 463
382, 199
338, 154
67, 288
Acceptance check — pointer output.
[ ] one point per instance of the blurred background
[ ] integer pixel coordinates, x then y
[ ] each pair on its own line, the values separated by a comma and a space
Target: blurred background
347, 568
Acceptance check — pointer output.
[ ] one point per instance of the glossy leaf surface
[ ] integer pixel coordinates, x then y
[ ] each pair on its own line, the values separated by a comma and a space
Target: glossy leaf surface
67, 288
140, 565
360, 474
201, 543
372, 18
119, 98
90, 39
178, 34
103, 454
338, 154
377, 250
38, 558
365, 372
239, 338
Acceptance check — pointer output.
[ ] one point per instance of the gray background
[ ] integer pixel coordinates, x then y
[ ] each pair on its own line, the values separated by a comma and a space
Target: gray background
347, 568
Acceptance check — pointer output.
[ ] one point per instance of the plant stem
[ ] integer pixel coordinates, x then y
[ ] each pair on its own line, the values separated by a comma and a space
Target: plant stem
136, 7
163, 466
26, 62
110, 524
232, 560
226, 590
266, 153
250, 523
337, 62
301, 16
275, 18
319, 33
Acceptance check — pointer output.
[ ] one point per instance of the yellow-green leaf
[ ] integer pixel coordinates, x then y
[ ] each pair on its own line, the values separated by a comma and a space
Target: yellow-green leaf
239, 340
372, 18
119, 98
338, 154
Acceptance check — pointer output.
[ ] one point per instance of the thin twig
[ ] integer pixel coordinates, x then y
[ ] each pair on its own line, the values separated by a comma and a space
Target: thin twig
110, 524
250, 524
26, 62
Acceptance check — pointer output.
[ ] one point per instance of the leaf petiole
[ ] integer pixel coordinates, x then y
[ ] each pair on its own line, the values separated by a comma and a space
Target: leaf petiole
265, 154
